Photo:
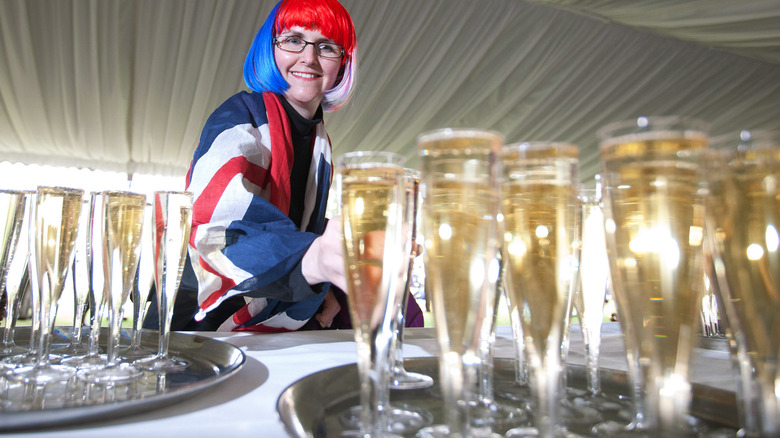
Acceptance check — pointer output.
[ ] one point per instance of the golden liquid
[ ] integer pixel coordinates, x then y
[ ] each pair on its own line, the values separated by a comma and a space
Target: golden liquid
11, 214
460, 246
540, 225
123, 218
658, 225
746, 214
56, 227
371, 212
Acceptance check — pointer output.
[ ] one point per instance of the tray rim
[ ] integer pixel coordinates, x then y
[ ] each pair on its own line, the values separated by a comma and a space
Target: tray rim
48, 418
725, 398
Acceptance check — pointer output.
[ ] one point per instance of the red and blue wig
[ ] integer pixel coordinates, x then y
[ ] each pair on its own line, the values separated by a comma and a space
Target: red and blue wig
327, 17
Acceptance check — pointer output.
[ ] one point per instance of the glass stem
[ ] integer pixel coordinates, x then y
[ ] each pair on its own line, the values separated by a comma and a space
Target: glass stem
138, 318
11, 308
592, 341
165, 313
47, 311
114, 330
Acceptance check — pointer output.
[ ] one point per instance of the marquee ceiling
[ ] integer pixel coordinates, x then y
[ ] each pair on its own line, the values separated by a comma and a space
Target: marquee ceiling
127, 84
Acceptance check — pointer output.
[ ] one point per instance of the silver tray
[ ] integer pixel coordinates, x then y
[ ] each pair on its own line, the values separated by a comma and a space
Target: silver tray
211, 362
315, 405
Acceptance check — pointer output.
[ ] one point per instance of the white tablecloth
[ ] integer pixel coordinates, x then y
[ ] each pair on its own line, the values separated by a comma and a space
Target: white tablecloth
245, 404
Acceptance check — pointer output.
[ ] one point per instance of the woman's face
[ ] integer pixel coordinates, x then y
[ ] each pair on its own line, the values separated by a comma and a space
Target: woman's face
308, 74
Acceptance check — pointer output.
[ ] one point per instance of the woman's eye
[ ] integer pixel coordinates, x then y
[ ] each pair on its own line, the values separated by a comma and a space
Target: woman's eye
292, 40
327, 48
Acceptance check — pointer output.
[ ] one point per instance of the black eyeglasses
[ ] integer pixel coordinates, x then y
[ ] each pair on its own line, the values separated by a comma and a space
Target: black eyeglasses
297, 44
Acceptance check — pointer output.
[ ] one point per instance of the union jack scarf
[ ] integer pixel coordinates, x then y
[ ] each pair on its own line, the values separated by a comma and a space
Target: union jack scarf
242, 238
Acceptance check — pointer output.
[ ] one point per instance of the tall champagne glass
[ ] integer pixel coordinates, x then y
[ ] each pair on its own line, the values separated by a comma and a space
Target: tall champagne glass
743, 219
593, 282
56, 212
12, 208
372, 194
539, 190
121, 224
172, 218
79, 281
18, 277
460, 190
654, 227
142, 286
92, 248
401, 378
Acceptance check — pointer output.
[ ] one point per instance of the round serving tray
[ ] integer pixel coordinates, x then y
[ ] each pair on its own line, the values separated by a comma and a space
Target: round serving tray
211, 362
315, 405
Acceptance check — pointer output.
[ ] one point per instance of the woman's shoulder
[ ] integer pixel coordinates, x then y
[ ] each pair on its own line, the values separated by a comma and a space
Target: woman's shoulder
240, 108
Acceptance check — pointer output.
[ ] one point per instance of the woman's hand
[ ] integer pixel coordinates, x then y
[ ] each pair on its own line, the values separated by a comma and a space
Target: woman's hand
324, 261
330, 307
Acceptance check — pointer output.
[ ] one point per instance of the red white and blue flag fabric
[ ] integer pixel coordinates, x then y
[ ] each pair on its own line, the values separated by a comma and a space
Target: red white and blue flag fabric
242, 238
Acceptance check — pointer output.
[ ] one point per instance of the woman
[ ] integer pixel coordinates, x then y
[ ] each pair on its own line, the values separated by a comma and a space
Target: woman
262, 254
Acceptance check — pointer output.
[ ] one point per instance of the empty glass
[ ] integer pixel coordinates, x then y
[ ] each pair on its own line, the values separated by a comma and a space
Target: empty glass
172, 218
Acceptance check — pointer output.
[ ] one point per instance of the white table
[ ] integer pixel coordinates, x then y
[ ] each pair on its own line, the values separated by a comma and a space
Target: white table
245, 404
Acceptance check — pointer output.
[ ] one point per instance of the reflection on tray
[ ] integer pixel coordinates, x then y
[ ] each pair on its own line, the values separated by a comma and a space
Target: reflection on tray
210, 362
307, 416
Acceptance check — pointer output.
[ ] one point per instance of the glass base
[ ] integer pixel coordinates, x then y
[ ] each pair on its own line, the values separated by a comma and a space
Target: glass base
161, 364
443, 431
132, 354
12, 350
71, 350
90, 361
497, 416
402, 379
40, 375
401, 419
121, 373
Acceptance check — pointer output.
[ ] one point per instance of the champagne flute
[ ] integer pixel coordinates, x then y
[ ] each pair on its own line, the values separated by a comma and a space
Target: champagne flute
593, 282
460, 190
172, 217
142, 286
56, 213
743, 214
401, 378
539, 190
79, 282
654, 223
121, 223
13, 203
92, 248
372, 193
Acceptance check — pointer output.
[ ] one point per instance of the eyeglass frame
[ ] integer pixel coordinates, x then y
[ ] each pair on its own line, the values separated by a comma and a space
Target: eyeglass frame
278, 43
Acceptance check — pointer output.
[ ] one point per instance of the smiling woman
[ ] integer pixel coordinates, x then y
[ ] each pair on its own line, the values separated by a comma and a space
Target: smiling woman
263, 255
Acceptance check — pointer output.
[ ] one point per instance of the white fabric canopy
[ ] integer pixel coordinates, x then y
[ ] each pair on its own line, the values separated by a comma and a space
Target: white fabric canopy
127, 84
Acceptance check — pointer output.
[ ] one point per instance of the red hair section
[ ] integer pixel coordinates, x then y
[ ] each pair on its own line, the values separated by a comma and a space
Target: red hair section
328, 17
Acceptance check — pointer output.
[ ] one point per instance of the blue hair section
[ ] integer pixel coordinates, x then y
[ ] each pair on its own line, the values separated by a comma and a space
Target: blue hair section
260, 72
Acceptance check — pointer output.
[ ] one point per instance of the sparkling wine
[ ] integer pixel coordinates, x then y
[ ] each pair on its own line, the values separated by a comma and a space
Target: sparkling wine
460, 247
122, 233
56, 226
657, 213
459, 183
369, 201
539, 233
654, 209
745, 215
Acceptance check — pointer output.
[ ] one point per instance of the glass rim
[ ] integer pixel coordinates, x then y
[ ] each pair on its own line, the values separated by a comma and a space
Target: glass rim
391, 158
172, 192
120, 192
71, 190
445, 133
14, 191
567, 150
652, 124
